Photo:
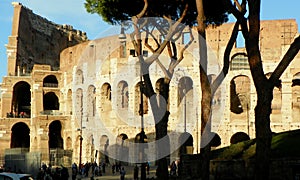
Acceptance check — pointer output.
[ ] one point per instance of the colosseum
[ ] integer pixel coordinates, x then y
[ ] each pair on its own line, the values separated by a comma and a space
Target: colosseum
68, 99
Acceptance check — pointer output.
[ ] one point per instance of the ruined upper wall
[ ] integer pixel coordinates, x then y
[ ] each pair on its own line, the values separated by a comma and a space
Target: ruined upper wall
37, 40
275, 35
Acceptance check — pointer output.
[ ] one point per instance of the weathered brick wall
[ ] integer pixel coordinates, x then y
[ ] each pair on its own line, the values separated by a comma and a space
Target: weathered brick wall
40, 41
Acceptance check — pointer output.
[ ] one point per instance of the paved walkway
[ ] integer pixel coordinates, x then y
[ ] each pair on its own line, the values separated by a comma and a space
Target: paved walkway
129, 174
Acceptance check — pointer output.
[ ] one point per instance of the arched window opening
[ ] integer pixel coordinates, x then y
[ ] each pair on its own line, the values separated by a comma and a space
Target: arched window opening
139, 149
240, 94
185, 88
78, 104
50, 81
123, 95
186, 143
186, 109
105, 97
50, 101
91, 100
122, 148
104, 143
56, 143
239, 61
20, 136
106, 91
55, 138
79, 77
239, 137
216, 141
90, 149
69, 102
21, 101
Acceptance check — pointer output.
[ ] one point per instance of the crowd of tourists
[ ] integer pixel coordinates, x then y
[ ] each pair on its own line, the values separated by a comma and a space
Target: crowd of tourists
53, 173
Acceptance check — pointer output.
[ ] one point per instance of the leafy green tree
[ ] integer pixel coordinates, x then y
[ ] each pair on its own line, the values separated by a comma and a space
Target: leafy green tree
175, 13
250, 26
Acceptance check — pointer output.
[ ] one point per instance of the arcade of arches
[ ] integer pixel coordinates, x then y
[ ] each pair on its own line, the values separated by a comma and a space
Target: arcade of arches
62, 113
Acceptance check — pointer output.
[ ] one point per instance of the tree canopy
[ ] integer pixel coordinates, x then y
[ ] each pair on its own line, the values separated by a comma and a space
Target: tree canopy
116, 11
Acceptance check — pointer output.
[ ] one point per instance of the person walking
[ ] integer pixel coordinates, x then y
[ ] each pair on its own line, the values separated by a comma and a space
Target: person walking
64, 174
74, 171
122, 173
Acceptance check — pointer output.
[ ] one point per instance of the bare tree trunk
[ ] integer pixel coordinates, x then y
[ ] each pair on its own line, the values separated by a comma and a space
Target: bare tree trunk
206, 92
263, 131
205, 126
161, 123
161, 132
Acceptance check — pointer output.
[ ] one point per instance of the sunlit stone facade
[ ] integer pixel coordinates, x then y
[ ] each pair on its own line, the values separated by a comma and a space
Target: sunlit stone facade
92, 91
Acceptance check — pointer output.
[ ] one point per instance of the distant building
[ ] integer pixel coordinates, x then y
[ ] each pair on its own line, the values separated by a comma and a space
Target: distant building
61, 86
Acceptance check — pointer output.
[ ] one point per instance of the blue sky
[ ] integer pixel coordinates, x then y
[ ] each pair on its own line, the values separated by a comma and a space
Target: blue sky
72, 12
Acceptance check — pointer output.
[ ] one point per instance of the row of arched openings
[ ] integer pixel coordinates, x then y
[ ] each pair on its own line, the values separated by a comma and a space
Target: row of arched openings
185, 89
20, 135
21, 100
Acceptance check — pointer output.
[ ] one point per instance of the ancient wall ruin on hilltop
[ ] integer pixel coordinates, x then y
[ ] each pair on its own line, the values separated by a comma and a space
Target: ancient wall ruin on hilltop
36, 40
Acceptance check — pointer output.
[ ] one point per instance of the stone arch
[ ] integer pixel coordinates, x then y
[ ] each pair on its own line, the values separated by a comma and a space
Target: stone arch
79, 103
137, 100
50, 81
122, 148
239, 96
216, 141
20, 136
296, 97
91, 100
122, 95
186, 142
21, 101
239, 61
185, 88
106, 97
69, 102
55, 137
239, 137
185, 100
50, 101
104, 143
141, 137
79, 77
90, 149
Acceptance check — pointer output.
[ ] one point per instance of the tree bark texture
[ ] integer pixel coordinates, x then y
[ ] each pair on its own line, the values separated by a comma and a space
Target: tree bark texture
263, 131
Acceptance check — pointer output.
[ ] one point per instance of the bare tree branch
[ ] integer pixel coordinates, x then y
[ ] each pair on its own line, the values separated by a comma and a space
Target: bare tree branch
181, 56
216, 83
238, 5
171, 32
239, 15
144, 10
286, 60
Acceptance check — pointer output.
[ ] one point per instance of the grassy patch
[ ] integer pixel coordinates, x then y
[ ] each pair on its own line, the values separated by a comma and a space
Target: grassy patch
285, 144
